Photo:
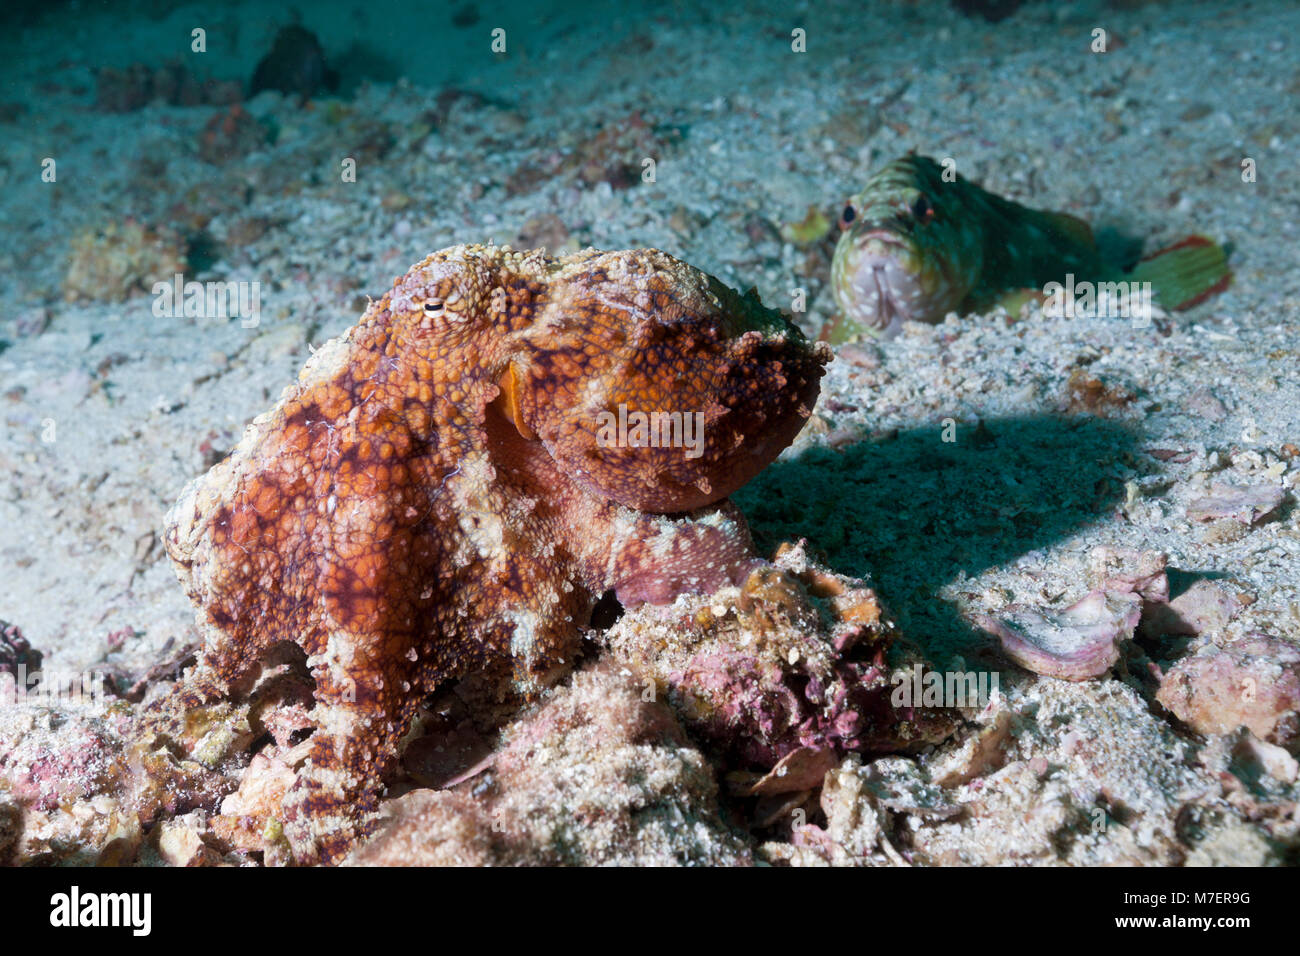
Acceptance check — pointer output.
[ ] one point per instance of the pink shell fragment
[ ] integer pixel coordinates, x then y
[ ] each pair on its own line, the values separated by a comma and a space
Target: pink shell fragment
1254, 682
1247, 505
1077, 643
801, 769
1125, 569
1203, 608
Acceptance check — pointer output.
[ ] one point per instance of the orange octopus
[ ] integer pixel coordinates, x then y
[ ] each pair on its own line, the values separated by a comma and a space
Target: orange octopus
440, 493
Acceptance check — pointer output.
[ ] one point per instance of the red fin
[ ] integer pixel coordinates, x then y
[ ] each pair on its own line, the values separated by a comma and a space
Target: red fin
1186, 273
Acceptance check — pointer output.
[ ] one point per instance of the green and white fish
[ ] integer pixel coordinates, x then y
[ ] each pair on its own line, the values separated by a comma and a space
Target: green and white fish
916, 247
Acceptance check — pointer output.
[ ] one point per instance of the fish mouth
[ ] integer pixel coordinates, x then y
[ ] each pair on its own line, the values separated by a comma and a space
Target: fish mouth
883, 237
885, 291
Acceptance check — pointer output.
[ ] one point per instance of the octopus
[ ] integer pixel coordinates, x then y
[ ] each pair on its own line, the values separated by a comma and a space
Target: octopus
445, 492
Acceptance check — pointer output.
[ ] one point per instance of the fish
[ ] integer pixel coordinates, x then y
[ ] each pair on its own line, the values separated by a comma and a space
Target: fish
917, 244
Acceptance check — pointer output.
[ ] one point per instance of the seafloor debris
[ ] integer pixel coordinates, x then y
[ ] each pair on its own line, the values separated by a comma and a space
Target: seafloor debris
548, 232
295, 64
614, 154
860, 803
16, 651
1085, 394
112, 263
80, 789
1204, 608
1055, 772
84, 784
795, 659
1203, 403
803, 768
1249, 505
31, 321
1129, 570
810, 230
598, 775
229, 135
1077, 643
1253, 682
138, 85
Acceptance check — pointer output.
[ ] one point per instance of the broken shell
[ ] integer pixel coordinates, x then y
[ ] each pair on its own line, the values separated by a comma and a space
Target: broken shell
1125, 569
1077, 643
800, 769
1247, 505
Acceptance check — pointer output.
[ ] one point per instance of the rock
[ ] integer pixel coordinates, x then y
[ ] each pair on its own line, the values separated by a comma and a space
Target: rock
119, 260
77, 788
981, 752
1259, 755
180, 842
250, 817
229, 135
1202, 403
1129, 571
853, 832
294, 64
599, 775
901, 785
792, 659
1203, 608
1252, 683
1236, 844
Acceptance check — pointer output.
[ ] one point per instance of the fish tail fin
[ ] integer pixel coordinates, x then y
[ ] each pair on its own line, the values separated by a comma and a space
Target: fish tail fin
1186, 273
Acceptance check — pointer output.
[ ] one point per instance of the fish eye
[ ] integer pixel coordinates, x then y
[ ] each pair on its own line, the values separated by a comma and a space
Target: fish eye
922, 209
847, 216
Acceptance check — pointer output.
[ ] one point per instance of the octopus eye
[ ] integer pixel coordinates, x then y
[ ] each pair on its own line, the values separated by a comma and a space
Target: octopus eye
433, 307
922, 209
847, 216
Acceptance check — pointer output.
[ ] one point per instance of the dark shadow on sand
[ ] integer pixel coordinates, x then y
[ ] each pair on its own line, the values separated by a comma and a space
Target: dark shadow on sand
913, 512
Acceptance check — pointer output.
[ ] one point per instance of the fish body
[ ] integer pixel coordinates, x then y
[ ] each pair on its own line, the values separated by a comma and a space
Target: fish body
917, 244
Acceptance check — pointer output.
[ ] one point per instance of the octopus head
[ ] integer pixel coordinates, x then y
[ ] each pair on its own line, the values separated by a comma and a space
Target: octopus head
653, 384
454, 295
